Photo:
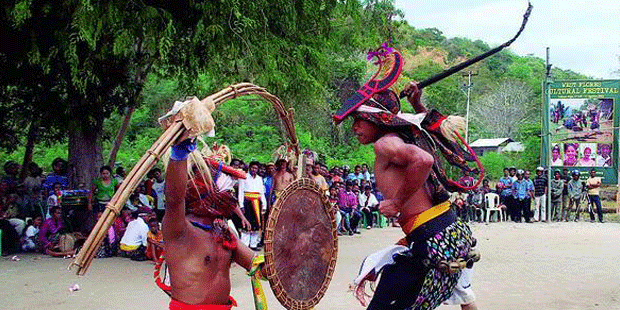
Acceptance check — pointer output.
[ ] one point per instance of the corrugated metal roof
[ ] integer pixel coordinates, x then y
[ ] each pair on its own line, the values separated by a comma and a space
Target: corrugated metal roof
489, 142
514, 147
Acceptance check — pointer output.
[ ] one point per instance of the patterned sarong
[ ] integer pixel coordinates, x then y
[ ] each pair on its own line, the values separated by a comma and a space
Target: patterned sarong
411, 278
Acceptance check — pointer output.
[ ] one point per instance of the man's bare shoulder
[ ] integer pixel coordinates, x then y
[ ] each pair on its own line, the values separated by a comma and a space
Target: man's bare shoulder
387, 144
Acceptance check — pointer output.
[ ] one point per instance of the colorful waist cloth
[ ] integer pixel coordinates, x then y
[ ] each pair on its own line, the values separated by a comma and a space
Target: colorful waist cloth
129, 248
177, 305
253, 209
415, 221
411, 279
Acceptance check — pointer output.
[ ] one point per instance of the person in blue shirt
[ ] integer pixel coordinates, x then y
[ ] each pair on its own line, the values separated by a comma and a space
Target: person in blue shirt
521, 194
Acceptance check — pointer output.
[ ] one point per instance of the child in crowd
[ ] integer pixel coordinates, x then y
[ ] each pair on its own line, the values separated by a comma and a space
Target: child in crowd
155, 240
30, 242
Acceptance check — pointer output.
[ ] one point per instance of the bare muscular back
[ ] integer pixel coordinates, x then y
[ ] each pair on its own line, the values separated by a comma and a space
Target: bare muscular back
199, 268
402, 170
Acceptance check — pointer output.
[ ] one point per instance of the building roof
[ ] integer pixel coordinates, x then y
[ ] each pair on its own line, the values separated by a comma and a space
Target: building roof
490, 142
514, 147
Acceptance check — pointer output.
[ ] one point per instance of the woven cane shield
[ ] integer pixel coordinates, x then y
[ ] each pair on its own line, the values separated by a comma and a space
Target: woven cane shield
301, 245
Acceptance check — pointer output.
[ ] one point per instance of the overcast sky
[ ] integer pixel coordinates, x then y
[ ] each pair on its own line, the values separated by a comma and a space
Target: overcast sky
583, 36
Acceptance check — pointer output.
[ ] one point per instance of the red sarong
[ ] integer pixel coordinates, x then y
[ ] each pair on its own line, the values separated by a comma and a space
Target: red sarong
177, 305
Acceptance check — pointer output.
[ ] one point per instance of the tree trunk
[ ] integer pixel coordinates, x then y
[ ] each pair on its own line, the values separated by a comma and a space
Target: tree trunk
33, 132
85, 153
120, 135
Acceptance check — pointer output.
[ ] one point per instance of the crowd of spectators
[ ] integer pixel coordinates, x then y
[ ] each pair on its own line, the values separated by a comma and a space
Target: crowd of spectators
524, 198
41, 213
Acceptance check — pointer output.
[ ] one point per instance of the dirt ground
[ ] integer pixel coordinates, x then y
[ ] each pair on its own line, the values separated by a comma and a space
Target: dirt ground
523, 266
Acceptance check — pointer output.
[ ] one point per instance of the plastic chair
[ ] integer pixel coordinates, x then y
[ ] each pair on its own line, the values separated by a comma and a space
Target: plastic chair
491, 201
380, 219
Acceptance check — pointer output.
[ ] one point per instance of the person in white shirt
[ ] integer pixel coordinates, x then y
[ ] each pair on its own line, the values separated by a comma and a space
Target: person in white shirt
253, 203
368, 203
31, 235
135, 234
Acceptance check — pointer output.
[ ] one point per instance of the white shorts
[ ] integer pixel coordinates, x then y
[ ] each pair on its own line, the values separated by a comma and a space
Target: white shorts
463, 293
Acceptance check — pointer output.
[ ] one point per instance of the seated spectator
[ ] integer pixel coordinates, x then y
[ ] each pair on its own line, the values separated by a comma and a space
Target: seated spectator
155, 241
109, 246
120, 224
10, 237
333, 200
30, 239
54, 241
58, 175
348, 207
133, 243
104, 187
368, 204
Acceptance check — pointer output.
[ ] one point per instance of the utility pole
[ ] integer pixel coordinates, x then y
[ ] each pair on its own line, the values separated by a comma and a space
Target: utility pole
469, 74
546, 137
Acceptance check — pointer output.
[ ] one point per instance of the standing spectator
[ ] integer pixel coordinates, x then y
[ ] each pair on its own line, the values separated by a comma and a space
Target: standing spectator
54, 199
120, 174
252, 202
155, 241
319, 179
268, 180
157, 188
594, 184
566, 177
513, 173
34, 181
540, 196
527, 212
58, 175
466, 180
282, 178
11, 170
575, 191
504, 187
104, 187
557, 187
520, 194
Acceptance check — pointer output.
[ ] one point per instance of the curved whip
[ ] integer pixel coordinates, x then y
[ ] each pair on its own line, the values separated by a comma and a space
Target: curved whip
474, 60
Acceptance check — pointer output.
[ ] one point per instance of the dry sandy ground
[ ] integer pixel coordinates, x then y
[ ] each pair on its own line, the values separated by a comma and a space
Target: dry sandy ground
524, 266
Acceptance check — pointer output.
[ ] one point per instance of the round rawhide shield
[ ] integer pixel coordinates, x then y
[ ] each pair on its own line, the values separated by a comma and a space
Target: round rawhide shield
301, 245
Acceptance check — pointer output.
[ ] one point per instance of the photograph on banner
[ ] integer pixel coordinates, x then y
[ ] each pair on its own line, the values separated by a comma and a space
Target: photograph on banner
575, 154
581, 120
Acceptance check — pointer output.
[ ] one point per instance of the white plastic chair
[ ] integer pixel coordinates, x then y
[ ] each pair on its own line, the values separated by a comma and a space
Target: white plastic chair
491, 201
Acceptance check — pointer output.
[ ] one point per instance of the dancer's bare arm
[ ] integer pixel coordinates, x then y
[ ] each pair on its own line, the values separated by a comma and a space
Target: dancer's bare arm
174, 225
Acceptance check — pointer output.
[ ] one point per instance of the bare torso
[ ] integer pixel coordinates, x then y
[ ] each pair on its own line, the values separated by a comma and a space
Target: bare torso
397, 182
199, 268
282, 180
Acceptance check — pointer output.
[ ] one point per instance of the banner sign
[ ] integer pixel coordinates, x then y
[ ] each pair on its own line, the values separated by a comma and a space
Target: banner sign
582, 122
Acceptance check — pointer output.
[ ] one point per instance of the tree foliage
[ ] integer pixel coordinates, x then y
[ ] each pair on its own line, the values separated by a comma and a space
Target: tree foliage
76, 64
